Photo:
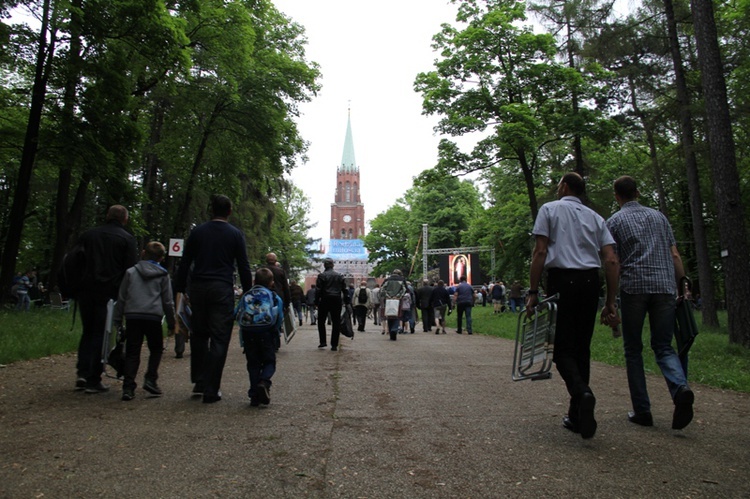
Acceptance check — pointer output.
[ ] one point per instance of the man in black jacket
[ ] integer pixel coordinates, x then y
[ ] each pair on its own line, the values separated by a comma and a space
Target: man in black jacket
424, 295
209, 258
110, 250
331, 295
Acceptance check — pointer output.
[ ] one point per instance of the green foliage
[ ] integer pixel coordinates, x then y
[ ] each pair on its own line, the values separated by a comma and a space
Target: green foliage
289, 238
387, 241
497, 77
157, 106
447, 205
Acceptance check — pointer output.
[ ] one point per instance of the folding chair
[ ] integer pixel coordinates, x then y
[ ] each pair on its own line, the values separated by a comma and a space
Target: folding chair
535, 342
56, 302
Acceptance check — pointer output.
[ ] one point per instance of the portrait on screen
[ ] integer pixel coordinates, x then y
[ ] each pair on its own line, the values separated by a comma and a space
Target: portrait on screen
458, 265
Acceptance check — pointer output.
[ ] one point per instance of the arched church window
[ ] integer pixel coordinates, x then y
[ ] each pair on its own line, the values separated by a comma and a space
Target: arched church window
339, 192
348, 192
343, 233
350, 233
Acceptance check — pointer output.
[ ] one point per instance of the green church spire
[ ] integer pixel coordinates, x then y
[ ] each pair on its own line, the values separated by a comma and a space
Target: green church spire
348, 163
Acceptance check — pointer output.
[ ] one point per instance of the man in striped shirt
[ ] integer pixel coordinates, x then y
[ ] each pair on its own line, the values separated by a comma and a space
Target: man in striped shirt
650, 268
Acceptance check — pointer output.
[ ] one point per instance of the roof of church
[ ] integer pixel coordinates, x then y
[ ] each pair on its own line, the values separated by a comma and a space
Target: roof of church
348, 163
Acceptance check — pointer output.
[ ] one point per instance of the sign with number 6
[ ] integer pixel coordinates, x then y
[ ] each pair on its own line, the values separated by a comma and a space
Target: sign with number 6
176, 246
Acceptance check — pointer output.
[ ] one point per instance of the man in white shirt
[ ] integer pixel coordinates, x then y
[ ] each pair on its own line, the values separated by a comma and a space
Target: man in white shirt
571, 243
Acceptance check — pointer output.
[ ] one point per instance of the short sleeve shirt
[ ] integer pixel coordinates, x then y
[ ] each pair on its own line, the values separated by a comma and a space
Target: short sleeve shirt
644, 245
576, 234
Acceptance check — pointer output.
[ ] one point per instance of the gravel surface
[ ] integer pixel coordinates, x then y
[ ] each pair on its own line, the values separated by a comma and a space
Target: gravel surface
424, 416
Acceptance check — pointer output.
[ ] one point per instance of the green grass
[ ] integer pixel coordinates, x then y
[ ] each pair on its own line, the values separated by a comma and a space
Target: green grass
38, 333
713, 361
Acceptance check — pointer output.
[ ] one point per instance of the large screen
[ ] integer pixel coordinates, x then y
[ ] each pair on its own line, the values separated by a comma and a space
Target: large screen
452, 267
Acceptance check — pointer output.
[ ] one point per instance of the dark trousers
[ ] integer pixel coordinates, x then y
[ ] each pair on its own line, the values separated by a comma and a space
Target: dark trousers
463, 308
135, 331
212, 321
260, 353
329, 305
576, 316
376, 314
428, 318
93, 319
360, 313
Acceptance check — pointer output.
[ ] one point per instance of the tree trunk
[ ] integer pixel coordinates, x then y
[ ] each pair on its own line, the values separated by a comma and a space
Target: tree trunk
152, 171
652, 150
30, 147
731, 219
69, 147
705, 277
528, 176
181, 226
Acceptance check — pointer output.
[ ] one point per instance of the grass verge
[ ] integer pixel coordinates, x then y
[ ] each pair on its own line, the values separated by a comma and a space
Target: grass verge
713, 361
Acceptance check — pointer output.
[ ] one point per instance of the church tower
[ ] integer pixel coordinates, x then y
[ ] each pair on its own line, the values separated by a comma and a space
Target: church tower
347, 210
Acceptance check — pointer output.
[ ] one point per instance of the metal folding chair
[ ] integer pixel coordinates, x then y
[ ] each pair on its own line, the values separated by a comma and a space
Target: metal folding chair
535, 342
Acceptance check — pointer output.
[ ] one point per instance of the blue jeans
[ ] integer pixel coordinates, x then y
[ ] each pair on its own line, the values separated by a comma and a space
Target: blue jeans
661, 311
464, 308
516, 304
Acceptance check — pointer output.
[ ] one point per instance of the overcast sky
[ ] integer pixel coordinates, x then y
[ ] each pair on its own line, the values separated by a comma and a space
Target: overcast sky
370, 54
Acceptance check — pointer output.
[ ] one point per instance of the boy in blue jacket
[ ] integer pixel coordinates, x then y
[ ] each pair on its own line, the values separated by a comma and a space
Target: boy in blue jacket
260, 315
145, 297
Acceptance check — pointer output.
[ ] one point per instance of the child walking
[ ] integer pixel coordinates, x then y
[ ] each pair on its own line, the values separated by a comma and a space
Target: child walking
145, 297
260, 315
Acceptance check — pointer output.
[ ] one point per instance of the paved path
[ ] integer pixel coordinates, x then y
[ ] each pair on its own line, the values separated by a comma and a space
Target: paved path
425, 416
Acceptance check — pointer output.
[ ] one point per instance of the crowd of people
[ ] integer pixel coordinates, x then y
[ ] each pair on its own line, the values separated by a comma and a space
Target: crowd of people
634, 250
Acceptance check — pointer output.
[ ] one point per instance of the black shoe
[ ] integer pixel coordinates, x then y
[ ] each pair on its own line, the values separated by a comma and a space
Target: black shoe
586, 421
262, 393
254, 402
322, 345
128, 395
641, 418
198, 389
300, 323
683, 408
313, 323
80, 384
210, 399
470, 332
98, 388
458, 332
151, 387
571, 425
178, 356
333, 349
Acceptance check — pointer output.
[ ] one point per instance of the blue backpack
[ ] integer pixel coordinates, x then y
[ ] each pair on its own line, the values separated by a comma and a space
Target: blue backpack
257, 310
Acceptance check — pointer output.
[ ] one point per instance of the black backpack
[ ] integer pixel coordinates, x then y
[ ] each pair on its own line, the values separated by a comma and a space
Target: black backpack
362, 295
71, 274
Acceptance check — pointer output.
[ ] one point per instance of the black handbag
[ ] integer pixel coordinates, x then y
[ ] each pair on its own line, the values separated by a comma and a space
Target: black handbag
686, 328
346, 321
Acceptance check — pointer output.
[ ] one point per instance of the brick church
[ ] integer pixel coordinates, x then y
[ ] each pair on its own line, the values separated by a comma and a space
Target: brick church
347, 225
